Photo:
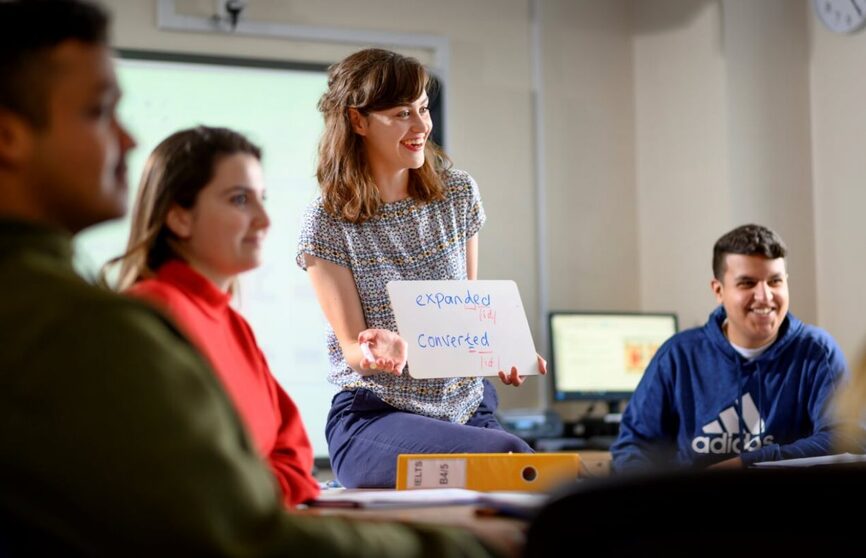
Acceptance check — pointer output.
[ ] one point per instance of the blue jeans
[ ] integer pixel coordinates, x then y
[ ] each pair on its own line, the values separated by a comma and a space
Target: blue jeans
365, 436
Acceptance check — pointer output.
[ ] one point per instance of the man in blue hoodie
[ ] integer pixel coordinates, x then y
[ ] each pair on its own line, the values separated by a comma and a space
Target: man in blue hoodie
751, 385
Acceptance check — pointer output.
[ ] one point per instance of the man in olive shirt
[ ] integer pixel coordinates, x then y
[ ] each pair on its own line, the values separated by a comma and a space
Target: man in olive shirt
115, 436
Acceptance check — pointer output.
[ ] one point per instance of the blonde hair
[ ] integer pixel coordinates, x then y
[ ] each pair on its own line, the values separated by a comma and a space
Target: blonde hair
370, 80
849, 408
175, 172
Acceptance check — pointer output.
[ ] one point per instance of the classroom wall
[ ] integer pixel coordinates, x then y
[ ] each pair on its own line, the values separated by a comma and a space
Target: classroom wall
665, 124
723, 139
681, 152
837, 91
589, 128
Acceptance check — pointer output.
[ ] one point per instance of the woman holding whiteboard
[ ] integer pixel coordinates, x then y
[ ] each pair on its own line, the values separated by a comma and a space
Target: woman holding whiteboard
390, 208
199, 221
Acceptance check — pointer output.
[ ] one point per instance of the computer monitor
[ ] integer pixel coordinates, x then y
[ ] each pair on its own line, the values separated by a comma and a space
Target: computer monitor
602, 355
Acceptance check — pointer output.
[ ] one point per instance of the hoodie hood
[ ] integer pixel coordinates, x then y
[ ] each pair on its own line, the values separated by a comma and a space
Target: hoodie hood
788, 331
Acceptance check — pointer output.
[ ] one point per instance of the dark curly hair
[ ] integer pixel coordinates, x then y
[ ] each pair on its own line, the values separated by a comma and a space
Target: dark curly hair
747, 240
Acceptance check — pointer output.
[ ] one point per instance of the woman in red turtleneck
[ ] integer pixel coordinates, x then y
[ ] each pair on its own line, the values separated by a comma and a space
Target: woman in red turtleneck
198, 222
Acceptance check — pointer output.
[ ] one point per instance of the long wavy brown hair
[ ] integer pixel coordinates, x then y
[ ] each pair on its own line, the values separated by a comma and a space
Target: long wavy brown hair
370, 80
175, 172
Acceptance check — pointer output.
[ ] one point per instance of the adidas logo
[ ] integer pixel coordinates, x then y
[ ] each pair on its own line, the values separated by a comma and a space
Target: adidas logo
723, 435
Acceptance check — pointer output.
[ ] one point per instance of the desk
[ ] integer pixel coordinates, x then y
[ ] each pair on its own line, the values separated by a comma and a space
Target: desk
465, 515
594, 463
506, 534
503, 532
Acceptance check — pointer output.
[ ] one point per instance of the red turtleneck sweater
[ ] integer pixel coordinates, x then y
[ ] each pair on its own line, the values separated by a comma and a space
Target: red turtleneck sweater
203, 312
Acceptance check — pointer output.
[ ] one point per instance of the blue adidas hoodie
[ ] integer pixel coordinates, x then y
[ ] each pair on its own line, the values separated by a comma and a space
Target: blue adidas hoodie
701, 402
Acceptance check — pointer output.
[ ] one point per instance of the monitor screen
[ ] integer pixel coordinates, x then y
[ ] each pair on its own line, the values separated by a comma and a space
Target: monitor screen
602, 355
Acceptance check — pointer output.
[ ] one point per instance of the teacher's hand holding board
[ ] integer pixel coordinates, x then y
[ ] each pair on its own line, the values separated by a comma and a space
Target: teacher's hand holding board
456, 329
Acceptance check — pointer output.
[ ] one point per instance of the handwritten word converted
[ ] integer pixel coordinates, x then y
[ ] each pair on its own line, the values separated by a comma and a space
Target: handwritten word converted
469, 341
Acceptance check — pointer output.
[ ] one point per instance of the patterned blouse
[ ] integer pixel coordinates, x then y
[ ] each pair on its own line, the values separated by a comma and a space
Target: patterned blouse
410, 241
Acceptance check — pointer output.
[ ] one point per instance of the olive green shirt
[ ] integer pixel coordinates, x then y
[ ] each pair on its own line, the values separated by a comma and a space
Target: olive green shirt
116, 439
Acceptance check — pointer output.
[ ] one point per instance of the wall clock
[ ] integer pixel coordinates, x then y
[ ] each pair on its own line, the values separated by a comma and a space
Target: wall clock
841, 16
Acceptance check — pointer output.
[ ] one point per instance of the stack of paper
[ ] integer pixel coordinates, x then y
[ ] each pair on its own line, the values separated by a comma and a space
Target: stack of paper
517, 504
812, 461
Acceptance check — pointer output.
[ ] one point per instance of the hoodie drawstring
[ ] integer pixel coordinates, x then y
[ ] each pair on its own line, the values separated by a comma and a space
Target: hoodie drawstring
760, 405
740, 404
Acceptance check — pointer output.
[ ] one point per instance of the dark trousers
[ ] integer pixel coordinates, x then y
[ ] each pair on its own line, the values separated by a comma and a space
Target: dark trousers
365, 436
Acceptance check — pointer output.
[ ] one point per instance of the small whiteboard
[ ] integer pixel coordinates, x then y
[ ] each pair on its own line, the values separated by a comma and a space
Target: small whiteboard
463, 328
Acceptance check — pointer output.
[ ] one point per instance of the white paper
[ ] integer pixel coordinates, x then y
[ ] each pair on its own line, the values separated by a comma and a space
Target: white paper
513, 502
398, 498
811, 461
463, 328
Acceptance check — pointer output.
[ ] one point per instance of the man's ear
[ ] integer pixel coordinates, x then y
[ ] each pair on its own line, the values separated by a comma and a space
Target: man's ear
717, 288
16, 138
179, 221
359, 122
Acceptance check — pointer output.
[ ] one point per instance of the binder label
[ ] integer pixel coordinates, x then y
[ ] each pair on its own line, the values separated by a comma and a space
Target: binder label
436, 473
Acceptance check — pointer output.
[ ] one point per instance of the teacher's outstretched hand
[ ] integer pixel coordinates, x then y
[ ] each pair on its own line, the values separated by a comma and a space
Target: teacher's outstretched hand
383, 350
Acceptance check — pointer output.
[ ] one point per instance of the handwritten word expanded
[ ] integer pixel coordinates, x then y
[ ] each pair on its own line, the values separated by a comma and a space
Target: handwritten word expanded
453, 341
441, 299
